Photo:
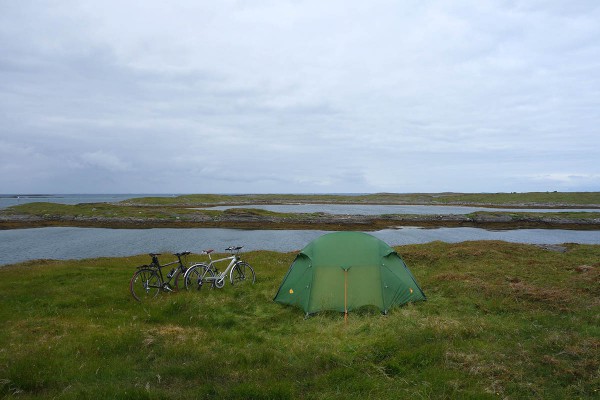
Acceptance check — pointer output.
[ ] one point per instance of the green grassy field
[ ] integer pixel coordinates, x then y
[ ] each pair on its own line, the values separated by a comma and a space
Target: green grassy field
508, 199
99, 210
501, 321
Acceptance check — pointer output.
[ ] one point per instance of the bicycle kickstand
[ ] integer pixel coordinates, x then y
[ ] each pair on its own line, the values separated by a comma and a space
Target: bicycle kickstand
166, 287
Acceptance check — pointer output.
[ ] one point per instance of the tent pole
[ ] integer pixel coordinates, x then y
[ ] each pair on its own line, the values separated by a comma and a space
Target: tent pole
346, 296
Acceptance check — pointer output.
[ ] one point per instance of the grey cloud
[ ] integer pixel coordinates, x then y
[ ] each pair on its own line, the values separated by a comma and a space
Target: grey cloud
307, 96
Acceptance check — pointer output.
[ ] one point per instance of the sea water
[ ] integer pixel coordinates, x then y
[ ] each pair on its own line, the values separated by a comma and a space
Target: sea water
18, 245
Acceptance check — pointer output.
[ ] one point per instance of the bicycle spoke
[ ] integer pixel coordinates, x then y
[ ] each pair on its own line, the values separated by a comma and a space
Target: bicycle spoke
196, 277
145, 284
242, 273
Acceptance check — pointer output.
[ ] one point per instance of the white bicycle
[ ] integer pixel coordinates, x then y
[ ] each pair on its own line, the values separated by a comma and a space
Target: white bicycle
239, 272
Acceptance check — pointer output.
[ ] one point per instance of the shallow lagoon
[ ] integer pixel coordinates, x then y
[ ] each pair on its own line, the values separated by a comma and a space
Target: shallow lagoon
349, 209
18, 245
379, 209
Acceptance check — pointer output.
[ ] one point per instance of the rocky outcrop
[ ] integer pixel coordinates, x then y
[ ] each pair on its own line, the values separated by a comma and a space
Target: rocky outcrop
251, 219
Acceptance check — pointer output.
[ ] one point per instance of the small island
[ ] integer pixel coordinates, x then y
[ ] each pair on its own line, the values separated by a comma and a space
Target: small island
196, 211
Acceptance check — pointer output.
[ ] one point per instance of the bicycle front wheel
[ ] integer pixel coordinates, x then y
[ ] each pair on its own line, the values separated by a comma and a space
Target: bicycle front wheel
197, 276
242, 273
145, 284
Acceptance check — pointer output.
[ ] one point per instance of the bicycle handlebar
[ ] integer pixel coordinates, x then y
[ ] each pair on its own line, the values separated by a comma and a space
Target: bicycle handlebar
178, 255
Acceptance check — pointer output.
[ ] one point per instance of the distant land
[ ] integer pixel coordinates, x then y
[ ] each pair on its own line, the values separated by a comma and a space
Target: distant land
525, 200
183, 211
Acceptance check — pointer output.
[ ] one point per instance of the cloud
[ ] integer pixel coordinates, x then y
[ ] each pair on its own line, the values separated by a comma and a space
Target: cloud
104, 160
568, 181
301, 96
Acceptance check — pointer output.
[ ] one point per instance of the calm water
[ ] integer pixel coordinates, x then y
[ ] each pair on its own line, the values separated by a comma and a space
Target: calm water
369, 209
7, 200
77, 243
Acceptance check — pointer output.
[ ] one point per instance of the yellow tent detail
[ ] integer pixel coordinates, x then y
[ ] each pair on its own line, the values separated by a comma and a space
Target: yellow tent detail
291, 291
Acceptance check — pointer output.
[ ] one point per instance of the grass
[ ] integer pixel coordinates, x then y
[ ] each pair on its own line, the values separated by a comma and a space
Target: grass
125, 214
102, 210
507, 199
529, 198
517, 216
502, 320
108, 210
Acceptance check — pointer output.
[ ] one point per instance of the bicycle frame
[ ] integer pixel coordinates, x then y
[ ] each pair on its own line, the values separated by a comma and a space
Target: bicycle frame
219, 280
166, 284
204, 272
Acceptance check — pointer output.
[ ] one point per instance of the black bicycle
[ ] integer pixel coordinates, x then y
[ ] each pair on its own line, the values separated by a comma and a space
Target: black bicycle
148, 280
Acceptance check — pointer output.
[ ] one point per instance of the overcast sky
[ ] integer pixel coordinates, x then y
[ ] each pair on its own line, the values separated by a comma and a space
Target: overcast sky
299, 96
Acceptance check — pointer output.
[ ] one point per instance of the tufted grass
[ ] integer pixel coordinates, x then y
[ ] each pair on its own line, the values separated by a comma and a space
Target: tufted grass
502, 320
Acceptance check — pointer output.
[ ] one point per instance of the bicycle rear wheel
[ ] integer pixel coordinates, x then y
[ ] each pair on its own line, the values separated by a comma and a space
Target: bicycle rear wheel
196, 277
178, 279
242, 273
145, 284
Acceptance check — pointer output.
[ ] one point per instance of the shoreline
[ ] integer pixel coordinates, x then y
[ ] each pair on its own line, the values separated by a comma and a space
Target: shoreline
327, 222
196, 211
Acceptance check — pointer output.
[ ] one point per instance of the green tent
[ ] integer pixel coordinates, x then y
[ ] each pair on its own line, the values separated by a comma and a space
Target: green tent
343, 271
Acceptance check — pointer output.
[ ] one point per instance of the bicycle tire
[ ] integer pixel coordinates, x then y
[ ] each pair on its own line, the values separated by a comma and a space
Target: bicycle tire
145, 284
196, 275
178, 279
242, 273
